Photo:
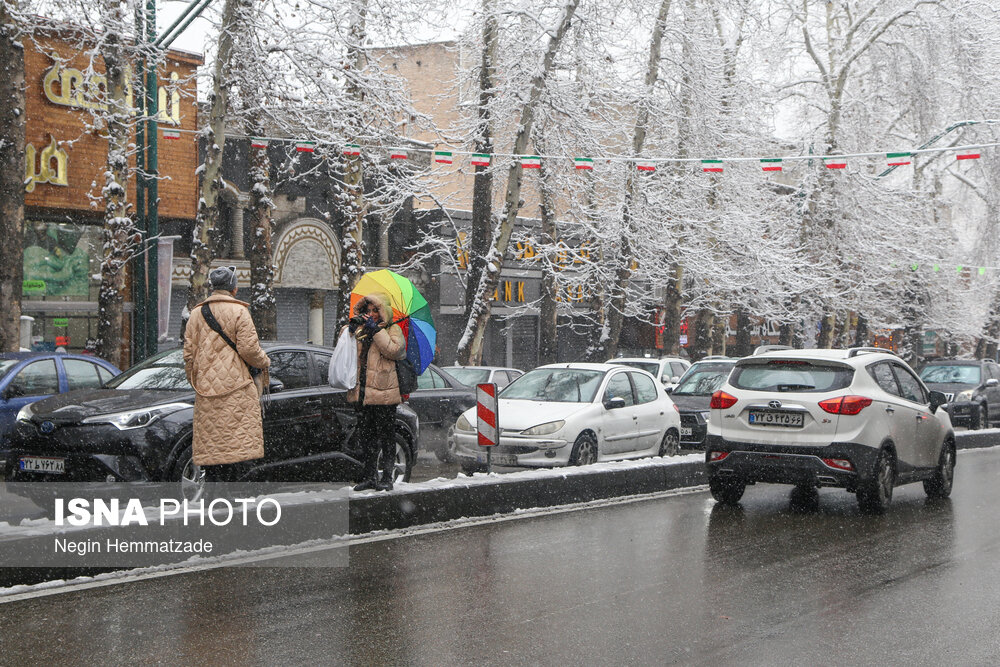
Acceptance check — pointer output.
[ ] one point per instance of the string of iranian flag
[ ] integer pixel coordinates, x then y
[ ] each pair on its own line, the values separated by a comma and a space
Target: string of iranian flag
892, 159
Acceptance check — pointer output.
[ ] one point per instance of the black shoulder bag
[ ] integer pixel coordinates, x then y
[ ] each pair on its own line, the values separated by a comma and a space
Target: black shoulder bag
407, 376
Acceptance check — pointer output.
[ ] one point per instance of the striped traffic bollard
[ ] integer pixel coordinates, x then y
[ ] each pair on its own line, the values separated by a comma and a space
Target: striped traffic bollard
486, 420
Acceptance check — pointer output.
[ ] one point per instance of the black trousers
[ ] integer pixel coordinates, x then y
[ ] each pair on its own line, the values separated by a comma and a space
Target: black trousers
227, 472
376, 430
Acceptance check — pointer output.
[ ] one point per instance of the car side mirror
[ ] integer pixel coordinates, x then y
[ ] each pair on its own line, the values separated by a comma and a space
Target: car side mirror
13, 391
675, 378
614, 403
992, 382
669, 390
937, 400
275, 385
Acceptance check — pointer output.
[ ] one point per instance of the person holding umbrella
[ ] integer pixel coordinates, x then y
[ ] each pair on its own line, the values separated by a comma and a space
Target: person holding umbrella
381, 343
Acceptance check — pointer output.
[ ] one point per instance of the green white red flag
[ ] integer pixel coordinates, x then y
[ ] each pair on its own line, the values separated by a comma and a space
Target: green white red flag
968, 156
480, 159
171, 134
531, 162
770, 164
258, 142
835, 163
713, 166
645, 165
443, 157
352, 149
897, 159
305, 146
583, 162
397, 154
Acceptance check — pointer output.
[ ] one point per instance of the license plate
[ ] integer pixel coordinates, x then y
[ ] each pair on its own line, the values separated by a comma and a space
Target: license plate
42, 464
685, 430
771, 418
498, 459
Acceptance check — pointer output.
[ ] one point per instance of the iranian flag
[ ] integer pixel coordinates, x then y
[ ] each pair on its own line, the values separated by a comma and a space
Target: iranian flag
967, 156
480, 159
583, 162
645, 165
835, 163
531, 162
171, 134
714, 166
897, 159
258, 142
770, 164
397, 154
352, 149
305, 146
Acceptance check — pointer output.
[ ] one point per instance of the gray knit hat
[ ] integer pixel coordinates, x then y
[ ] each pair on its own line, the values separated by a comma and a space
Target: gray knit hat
223, 278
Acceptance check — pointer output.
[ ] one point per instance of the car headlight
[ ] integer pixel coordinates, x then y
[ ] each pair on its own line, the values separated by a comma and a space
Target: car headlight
544, 429
463, 424
964, 395
24, 414
137, 418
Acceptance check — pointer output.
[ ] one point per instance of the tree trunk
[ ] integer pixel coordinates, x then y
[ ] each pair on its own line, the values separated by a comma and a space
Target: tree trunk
481, 233
215, 143
470, 347
548, 348
263, 305
121, 239
861, 332
720, 332
12, 169
744, 334
673, 302
825, 338
700, 335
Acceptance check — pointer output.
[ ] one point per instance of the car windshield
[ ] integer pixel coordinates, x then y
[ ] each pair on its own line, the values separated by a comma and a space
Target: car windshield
651, 367
6, 365
703, 381
555, 385
791, 375
163, 372
958, 374
469, 376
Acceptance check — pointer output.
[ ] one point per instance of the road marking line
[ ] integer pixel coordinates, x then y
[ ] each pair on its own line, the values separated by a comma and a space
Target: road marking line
113, 579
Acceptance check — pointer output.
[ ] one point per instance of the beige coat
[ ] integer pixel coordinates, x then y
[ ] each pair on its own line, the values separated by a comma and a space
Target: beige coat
227, 418
388, 346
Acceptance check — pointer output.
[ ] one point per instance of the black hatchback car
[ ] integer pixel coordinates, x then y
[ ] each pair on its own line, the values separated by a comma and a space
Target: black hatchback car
972, 387
693, 394
137, 428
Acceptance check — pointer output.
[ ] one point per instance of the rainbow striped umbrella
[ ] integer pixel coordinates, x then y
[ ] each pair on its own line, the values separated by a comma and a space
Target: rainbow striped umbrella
409, 310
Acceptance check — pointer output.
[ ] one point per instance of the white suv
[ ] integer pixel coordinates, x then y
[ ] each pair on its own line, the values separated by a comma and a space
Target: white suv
859, 419
668, 370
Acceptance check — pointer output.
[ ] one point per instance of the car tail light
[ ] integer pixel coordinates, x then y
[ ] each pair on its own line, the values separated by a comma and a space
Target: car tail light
721, 400
845, 405
717, 456
840, 464
677, 408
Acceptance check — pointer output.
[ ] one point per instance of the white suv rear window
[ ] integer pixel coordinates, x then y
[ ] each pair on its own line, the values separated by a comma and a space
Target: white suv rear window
792, 375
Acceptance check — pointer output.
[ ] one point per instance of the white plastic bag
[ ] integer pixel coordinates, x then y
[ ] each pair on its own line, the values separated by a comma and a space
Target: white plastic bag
343, 373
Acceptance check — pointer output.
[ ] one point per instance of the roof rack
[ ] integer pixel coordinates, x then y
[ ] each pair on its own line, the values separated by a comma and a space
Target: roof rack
855, 351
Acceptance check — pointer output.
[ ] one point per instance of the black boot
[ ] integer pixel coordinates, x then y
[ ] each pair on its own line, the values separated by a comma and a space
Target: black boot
368, 485
385, 484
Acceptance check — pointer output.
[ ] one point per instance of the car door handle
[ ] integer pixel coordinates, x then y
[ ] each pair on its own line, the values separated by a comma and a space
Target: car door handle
889, 409
920, 418
636, 417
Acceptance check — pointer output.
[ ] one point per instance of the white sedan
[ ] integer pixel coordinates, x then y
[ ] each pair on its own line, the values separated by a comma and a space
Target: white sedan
575, 414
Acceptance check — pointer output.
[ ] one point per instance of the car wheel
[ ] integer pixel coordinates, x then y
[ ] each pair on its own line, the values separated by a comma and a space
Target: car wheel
726, 491
584, 450
980, 419
671, 443
445, 451
190, 475
940, 485
403, 465
875, 494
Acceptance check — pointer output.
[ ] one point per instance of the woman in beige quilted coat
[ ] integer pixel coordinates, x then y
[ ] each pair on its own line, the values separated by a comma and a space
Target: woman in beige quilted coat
227, 416
376, 395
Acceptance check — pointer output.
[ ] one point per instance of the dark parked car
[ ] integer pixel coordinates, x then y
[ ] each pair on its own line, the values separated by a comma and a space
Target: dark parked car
693, 394
26, 377
972, 387
138, 427
439, 400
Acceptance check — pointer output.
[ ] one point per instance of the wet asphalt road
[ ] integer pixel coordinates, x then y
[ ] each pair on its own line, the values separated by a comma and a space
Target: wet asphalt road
675, 580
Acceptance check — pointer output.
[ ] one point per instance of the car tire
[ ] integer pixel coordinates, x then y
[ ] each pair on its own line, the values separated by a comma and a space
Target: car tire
726, 491
940, 485
875, 494
671, 443
190, 476
584, 450
404, 461
445, 451
981, 418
